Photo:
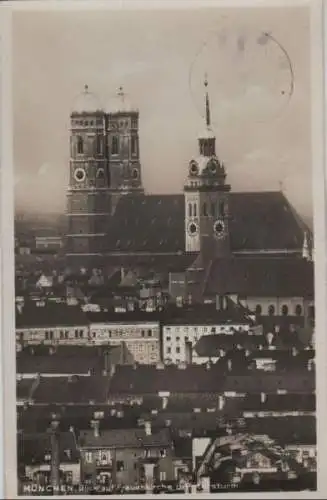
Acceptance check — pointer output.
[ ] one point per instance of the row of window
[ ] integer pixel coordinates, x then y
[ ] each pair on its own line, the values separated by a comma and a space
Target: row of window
298, 310
207, 209
144, 333
115, 144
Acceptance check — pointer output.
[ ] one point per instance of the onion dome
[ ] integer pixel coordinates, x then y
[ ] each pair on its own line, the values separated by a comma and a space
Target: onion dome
86, 103
121, 103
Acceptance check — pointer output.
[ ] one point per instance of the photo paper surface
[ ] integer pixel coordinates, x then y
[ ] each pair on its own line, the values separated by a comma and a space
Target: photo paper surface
165, 252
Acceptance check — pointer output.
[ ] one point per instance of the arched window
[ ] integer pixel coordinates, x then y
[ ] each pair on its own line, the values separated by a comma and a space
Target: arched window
98, 144
258, 309
80, 145
213, 209
284, 310
298, 310
114, 145
271, 310
194, 210
222, 208
190, 209
134, 145
205, 209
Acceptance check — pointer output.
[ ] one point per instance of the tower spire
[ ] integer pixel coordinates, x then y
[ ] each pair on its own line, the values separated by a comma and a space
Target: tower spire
207, 103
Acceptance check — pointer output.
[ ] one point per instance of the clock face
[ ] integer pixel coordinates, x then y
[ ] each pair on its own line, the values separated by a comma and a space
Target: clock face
219, 228
192, 229
194, 169
79, 174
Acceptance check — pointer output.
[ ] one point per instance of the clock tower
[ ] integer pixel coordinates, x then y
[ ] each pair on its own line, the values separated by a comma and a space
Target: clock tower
88, 197
207, 197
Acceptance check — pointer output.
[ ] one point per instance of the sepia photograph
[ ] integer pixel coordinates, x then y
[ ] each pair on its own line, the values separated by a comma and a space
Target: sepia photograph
165, 194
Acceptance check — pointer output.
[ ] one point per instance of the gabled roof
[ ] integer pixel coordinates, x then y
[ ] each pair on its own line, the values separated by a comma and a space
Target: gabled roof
261, 277
33, 448
125, 438
53, 314
155, 223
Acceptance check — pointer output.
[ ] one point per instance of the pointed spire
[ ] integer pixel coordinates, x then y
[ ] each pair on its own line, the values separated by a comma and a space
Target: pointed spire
207, 104
305, 248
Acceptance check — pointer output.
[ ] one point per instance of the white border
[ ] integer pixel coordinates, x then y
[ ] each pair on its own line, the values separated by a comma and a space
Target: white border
7, 349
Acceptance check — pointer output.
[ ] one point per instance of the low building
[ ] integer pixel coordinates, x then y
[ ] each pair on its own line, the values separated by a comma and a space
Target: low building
127, 457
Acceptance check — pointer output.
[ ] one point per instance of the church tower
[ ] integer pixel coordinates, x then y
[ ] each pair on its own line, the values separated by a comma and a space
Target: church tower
207, 197
88, 196
122, 126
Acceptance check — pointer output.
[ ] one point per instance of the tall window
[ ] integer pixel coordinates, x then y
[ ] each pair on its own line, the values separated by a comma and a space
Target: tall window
213, 209
271, 310
205, 209
194, 210
190, 209
222, 208
284, 310
80, 145
134, 145
114, 145
99, 144
298, 310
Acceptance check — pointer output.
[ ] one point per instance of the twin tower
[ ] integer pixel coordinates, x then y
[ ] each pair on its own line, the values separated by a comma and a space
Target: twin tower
105, 165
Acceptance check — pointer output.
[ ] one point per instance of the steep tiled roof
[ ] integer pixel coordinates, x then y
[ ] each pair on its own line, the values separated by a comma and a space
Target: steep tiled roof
34, 447
269, 276
259, 220
197, 378
77, 390
125, 438
50, 315
80, 361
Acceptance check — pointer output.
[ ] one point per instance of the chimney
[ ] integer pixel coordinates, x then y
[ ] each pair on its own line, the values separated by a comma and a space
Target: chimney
221, 402
147, 428
164, 402
229, 365
263, 397
269, 337
95, 424
55, 457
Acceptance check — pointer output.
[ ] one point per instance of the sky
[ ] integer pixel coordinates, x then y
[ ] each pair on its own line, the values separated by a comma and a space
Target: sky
259, 93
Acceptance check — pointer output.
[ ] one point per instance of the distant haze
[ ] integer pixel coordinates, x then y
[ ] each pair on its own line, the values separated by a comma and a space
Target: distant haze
263, 139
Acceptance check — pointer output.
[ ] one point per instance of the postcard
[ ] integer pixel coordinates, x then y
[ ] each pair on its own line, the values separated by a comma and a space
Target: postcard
163, 249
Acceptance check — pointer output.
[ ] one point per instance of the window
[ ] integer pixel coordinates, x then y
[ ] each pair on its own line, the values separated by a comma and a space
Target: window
194, 210
178, 350
177, 339
162, 476
190, 209
149, 333
213, 209
88, 457
222, 208
271, 310
298, 310
142, 333
168, 339
163, 453
115, 145
120, 465
80, 145
284, 310
205, 209
134, 145
81, 334
258, 309
99, 144
76, 334
311, 312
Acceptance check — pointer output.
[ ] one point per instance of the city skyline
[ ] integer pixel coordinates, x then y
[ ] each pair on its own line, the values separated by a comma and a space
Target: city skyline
271, 151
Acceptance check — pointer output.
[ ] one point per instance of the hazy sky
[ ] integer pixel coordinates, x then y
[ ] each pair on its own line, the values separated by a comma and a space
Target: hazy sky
160, 58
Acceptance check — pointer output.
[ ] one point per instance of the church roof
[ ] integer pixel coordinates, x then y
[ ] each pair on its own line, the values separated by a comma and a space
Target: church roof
269, 276
155, 223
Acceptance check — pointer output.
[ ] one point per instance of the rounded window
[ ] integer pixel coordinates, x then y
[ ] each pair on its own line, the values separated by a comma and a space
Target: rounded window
298, 310
135, 173
219, 228
258, 309
194, 169
284, 310
271, 310
100, 173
